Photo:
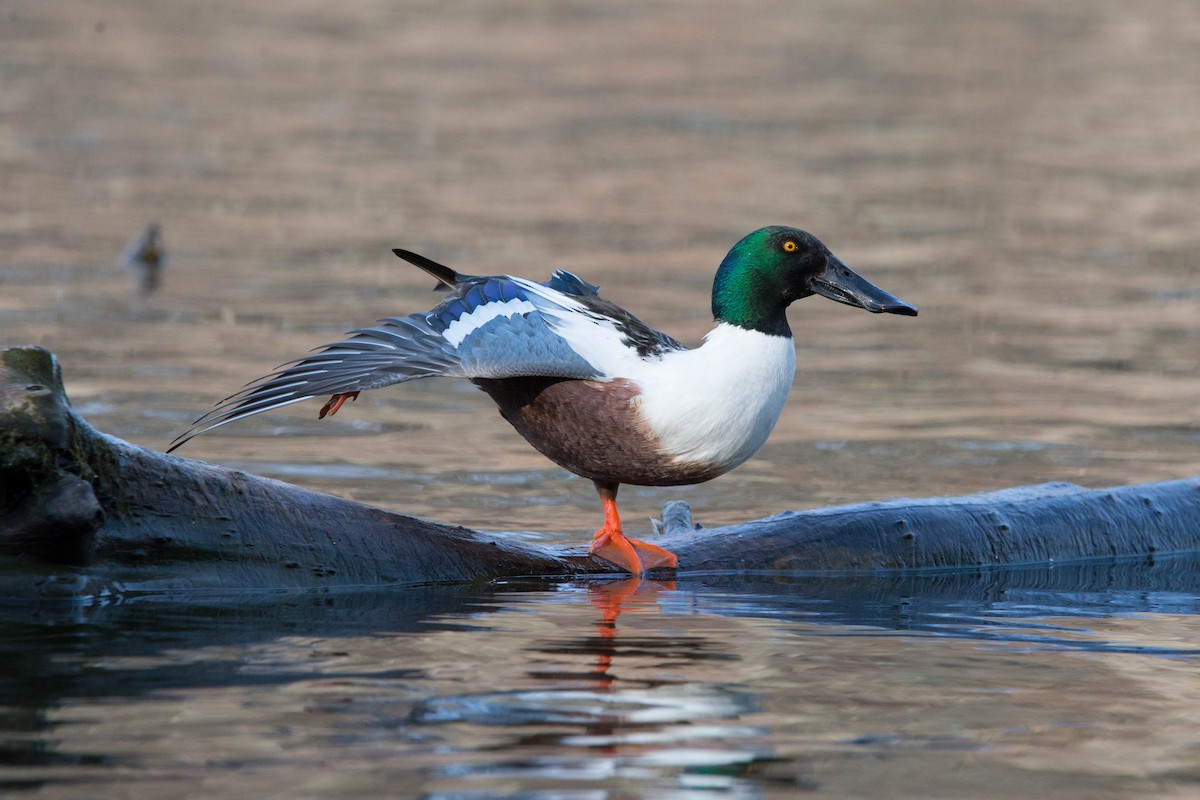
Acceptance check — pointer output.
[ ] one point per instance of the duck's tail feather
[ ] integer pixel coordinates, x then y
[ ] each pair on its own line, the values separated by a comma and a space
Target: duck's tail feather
398, 349
446, 276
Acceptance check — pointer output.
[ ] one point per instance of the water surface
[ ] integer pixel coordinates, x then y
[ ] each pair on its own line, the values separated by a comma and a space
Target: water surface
1076, 682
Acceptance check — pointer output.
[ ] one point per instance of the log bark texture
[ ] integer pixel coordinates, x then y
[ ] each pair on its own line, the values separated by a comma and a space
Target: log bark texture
80, 508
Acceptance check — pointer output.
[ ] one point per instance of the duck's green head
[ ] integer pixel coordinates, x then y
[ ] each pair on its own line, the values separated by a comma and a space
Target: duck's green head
770, 268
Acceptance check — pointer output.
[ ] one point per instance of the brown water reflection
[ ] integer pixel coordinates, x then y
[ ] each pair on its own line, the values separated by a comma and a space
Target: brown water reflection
1070, 683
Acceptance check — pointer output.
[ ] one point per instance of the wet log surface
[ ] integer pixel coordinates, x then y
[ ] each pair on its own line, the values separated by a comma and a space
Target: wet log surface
81, 511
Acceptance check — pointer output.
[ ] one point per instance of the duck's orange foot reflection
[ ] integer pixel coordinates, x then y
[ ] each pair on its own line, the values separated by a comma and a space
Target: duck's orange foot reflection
611, 598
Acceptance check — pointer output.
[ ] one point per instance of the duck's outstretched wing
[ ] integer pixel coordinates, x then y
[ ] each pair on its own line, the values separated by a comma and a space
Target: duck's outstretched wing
497, 327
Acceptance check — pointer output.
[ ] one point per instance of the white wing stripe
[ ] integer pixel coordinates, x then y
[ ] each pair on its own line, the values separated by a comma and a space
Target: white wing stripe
462, 327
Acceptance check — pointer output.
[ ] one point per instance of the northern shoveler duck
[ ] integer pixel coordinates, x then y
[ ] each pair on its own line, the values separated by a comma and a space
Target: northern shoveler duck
585, 382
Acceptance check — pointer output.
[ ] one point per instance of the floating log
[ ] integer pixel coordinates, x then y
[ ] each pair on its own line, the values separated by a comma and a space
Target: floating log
84, 511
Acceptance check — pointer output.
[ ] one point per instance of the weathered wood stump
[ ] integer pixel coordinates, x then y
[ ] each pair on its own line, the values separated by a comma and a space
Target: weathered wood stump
77, 502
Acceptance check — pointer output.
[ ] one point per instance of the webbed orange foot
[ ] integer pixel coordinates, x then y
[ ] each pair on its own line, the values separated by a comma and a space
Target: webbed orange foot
613, 546
335, 403
631, 555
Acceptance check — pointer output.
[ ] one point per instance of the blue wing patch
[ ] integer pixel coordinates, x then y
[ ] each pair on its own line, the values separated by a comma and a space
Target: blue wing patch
520, 345
497, 332
470, 297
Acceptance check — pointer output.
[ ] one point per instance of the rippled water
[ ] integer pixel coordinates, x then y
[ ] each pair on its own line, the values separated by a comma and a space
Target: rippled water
1072, 682
1026, 173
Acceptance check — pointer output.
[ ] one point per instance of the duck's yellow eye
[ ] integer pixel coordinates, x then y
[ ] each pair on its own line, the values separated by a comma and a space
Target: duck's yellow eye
789, 246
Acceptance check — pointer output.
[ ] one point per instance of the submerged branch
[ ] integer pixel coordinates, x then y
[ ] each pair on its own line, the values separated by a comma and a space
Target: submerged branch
80, 504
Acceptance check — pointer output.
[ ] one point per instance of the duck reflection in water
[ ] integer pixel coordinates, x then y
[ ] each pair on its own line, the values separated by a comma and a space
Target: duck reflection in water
642, 694
646, 706
610, 598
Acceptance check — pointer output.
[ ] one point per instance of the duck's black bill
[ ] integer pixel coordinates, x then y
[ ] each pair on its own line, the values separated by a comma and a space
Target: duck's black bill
839, 282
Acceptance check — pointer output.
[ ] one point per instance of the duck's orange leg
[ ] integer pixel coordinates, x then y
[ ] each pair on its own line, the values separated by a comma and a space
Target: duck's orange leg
613, 546
335, 403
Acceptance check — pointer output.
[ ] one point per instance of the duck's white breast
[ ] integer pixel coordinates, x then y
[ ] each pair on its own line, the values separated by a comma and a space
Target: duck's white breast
717, 404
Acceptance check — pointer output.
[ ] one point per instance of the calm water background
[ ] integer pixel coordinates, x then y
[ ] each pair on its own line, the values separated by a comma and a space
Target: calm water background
1027, 173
